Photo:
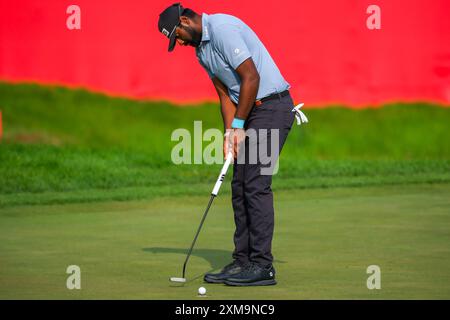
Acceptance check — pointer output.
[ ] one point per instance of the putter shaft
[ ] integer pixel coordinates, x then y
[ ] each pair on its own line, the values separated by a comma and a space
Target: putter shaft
198, 232
214, 193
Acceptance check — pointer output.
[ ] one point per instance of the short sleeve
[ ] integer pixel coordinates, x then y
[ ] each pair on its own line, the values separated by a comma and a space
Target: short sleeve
231, 45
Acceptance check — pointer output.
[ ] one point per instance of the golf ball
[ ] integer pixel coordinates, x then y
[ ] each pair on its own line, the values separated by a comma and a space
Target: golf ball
201, 291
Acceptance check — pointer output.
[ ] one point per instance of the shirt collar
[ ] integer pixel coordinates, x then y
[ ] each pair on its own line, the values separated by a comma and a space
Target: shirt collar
205, 28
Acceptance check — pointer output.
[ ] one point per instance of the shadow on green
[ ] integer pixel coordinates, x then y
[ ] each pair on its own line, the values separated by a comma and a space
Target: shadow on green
217, 258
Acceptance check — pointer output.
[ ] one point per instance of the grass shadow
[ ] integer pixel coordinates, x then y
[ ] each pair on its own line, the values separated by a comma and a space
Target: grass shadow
217, 258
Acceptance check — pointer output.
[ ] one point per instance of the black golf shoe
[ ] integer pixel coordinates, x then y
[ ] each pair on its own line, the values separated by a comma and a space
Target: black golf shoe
229, 270
253, 275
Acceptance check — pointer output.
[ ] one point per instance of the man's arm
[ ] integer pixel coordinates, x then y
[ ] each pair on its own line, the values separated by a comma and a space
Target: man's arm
247, 95
230, 43
233, 116
249, 88
228, 108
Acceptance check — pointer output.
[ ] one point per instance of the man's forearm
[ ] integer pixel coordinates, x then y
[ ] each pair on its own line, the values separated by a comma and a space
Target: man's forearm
247, 97
227, 107
228, 110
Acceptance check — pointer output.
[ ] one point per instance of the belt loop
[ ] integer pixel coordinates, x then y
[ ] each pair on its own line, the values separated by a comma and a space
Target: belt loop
279, 95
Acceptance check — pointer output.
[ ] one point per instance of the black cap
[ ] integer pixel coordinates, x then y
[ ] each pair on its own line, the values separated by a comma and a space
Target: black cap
168, 22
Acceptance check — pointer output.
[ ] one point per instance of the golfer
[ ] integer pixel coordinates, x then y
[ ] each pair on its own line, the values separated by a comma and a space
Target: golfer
253, 96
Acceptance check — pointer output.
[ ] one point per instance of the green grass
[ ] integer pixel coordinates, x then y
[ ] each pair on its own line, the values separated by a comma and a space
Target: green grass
324, 241
86, 179
63, 145
61, 116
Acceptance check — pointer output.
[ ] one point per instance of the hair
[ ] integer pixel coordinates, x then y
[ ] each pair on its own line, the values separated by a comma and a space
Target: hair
191, 14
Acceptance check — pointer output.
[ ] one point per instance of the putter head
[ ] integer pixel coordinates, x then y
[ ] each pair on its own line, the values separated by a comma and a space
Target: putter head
175, 279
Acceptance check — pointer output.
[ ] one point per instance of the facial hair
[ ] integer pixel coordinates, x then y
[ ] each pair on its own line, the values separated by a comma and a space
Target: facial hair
196, 37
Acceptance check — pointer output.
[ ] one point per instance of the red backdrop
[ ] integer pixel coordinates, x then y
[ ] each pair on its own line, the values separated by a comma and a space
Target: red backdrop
322, 47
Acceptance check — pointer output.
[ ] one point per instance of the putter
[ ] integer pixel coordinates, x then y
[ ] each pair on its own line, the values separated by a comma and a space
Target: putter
214, 193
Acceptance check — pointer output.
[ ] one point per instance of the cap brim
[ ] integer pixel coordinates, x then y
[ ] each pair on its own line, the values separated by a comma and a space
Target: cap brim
172, 42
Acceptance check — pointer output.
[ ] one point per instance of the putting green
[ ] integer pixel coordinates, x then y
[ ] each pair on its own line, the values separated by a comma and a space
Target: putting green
324, 241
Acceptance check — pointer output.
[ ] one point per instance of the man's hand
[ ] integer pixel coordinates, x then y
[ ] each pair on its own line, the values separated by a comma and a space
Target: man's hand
233, 141
226, 143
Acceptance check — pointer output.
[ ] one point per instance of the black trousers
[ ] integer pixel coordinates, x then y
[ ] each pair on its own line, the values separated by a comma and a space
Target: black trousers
251, 190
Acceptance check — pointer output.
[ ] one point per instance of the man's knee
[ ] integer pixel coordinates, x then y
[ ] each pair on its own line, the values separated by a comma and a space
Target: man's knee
258, 186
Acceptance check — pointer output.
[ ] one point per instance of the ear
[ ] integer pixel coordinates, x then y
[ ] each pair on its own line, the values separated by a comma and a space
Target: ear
185, 20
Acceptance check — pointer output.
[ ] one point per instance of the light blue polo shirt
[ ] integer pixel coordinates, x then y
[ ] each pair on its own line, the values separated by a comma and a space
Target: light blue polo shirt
226, 43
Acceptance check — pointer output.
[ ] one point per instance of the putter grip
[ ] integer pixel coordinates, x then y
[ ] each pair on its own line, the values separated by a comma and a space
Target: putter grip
222, 174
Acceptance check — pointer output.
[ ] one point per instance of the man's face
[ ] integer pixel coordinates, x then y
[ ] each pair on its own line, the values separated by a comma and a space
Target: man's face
186, 34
